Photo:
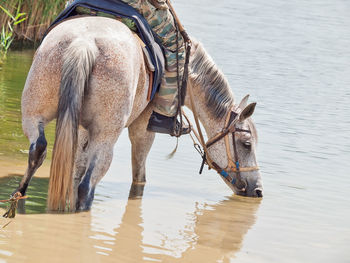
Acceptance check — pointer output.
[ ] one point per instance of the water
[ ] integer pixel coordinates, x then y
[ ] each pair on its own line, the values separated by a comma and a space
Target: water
13, 143
293, 58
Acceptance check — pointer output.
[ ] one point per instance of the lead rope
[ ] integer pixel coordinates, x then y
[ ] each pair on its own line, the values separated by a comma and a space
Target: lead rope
200, 136
179, 104
11, 212
183, 88
177, 132
197, 146
181, 84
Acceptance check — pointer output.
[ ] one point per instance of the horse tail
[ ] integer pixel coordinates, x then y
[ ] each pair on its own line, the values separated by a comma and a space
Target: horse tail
78, 61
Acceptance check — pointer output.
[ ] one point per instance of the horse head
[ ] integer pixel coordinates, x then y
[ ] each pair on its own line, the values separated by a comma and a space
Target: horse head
235, 159
231, 148
244, 142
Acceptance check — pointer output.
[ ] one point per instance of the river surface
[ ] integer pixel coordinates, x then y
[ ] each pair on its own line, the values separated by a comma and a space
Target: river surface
293, 57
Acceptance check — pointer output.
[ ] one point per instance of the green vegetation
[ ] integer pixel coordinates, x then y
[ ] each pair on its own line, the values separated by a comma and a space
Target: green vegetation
39, 13
7, 32
25, 21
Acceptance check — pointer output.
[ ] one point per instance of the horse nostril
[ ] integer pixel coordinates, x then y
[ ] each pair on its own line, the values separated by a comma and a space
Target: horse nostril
241, 185
258, 192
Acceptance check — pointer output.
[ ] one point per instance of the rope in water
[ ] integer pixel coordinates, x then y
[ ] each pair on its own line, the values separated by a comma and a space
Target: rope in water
11, 213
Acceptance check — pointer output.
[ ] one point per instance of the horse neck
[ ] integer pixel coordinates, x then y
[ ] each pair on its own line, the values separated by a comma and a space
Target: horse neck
211, 124
208, 83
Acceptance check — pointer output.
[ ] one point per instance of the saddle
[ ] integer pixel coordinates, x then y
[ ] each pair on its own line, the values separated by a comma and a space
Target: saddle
115, 9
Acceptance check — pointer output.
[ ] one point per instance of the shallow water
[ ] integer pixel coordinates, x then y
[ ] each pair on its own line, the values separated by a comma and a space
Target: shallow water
13, 143
293, 58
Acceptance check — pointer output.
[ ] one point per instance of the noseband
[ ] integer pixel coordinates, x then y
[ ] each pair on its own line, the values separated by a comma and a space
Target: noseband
233, 163
232, 119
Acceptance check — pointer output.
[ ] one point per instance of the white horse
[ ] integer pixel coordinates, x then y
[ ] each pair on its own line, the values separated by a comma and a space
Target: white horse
90, 74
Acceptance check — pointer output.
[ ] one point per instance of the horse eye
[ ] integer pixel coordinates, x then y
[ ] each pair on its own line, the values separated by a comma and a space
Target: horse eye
247, 145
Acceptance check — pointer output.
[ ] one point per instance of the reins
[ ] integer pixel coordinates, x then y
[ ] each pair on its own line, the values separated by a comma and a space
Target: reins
181, 84
233, 164
230, 123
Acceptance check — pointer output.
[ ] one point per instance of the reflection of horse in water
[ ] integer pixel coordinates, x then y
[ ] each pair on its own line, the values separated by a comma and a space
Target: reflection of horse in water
214, 233
221, 229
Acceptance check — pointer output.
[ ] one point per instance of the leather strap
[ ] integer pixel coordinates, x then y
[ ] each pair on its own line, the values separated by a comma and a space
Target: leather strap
181, 27
229, 128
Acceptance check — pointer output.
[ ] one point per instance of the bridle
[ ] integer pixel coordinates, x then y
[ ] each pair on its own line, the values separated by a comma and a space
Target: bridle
230, 125
232, 118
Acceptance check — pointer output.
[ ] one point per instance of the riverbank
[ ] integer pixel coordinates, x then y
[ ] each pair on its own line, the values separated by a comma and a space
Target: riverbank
38, 13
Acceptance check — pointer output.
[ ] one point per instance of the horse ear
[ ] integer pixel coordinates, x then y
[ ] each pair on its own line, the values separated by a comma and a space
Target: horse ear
247, 112
243, 102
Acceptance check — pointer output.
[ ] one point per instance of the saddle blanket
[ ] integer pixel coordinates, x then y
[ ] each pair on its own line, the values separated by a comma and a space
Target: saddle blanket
116, 8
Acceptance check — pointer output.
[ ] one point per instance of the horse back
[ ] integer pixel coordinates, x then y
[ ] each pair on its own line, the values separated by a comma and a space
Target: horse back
118, 83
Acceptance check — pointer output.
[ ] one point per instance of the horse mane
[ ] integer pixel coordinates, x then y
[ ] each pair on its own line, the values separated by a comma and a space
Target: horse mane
205, 73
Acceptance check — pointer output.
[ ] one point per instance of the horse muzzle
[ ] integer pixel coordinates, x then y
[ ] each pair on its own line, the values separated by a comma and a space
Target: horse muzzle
250, 186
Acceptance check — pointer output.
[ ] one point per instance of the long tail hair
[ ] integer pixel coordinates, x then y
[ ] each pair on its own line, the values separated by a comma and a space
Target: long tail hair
78, 61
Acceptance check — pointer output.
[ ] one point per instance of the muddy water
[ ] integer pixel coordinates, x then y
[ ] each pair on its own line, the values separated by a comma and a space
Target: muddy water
293, 58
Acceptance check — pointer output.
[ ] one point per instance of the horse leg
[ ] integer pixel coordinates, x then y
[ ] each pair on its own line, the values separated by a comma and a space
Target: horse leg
81, 159
100, 154
34, 130
141, 141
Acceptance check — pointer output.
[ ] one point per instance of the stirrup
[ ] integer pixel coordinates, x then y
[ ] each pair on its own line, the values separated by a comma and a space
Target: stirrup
177, 131
167, 125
